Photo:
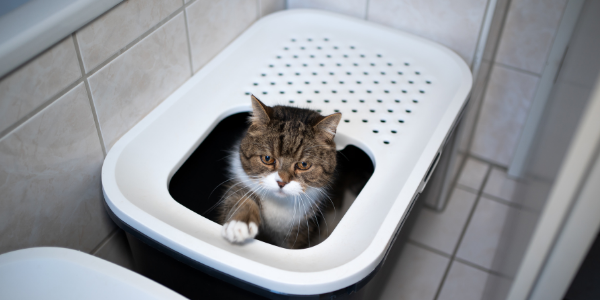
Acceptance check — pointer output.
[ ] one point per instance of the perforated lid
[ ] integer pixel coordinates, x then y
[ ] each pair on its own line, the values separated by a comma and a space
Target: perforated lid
399, 96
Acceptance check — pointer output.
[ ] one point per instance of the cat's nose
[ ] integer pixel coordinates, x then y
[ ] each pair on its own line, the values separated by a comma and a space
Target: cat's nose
281, 184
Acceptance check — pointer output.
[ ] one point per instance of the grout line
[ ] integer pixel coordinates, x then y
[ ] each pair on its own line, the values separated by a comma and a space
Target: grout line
462, 235
478, 267
367, 9
420, 245
491, 163
105, 241
189, 42
89, 94
516, 69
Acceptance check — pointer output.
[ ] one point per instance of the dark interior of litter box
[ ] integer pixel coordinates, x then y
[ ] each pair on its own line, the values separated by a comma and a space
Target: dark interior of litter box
197, 183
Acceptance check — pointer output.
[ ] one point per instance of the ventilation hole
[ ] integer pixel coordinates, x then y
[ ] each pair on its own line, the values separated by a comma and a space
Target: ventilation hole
314, 73
324, 82
372, 64
295, 56
302, 48
312, 56
339, 65
415, 101
289, 82
247, 93
386, 91
389, 64
379, 100
369, 91
331, 73
378, 55
428, 82
322, 65
255, 83
351, 92
404, 91
281, 92
326, 101
264, 93
263, 74
362, 55
278, 57
382, 73
291, 101
307, 82
326, 39
272, 83
366, 73
351, 47
422, 91
408, 111
299, 92
334, 91
304, 65
365, 121
341, 82
393, 82
417, 72
318, 110
390, 111
344, 100
335, 47
400, 73
285, 48
401, 121
328, 56
336, 110
386, 142
355, 64
297, 74
375, 131
397, 101
310, 40
354, 110
372, 110
316, 92
411, 82
376, 82
406, 64
319, 48
347, 121
293, 40
361, 101
280, 74
394, 131
382, 121
346, 56
308, 101
358, 82
348, 73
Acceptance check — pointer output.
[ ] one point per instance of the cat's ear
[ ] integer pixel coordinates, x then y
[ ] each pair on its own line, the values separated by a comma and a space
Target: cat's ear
261, 114
327, 126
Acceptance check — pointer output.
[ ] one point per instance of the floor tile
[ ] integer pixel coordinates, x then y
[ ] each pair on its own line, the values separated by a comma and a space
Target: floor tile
473, 173
483, 233
463, 282
441, 230
500, 185
416, 275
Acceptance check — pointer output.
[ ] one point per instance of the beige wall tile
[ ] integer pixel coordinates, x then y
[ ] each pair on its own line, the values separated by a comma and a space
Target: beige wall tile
455, 24
215, 24
50, 191
129, 87
505, 106
115, 29
270, 6
29, 86
355, 8
416, 275
529, 32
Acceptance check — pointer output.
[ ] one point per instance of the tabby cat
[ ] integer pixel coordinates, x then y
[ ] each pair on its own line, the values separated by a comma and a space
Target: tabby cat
281, 172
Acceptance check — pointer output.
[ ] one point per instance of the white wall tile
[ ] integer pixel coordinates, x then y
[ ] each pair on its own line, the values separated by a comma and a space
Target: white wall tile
128, 88
505, 107
121, 25
455, 24
529, 33
463, 282
483, 233
50, 191
473, 173
500, 185
441, 230
29, 86
416, 275
355, 8
270, 6
215, 24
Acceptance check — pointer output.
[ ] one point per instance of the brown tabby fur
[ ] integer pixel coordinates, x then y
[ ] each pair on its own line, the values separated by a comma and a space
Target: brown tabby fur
289, 135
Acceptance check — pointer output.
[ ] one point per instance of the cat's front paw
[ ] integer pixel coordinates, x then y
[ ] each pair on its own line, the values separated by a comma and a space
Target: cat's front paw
238, 231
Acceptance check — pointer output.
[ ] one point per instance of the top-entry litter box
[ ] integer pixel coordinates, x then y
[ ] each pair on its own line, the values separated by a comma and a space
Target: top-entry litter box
400, 97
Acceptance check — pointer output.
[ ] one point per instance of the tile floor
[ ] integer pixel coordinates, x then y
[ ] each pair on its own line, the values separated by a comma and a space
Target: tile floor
449, 254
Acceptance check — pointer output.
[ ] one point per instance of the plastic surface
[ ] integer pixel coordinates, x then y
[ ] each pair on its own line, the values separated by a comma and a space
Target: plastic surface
319, 60
58, 273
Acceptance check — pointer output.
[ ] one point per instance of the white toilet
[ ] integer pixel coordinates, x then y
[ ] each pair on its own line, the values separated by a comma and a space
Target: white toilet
59, 273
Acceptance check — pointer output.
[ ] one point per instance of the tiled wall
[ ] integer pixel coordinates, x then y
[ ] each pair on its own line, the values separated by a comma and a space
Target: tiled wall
63, 110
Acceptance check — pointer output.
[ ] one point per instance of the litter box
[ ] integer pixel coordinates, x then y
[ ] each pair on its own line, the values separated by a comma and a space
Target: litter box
400, 97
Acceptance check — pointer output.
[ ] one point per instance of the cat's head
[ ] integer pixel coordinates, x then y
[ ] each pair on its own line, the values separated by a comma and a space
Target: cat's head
288, 150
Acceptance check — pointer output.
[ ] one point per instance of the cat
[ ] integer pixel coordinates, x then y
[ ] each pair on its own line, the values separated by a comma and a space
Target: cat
281, 173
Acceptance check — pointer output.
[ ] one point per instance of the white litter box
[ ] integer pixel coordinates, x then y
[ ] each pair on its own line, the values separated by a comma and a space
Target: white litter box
400, 97
58, 273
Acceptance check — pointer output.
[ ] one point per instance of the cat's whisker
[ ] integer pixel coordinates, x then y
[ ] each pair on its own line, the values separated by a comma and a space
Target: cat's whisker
315, 215
225, 196
293, 217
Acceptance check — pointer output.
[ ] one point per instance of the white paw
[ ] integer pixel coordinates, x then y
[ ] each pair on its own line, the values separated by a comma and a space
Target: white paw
238, 232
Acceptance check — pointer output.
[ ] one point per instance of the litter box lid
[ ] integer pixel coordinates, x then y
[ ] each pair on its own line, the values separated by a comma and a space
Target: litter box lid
400, 96
59, 273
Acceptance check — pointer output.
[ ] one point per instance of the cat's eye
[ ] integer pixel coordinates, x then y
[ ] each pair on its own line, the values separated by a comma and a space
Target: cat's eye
303, 165
267, 160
